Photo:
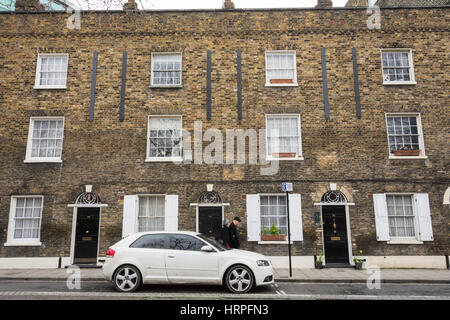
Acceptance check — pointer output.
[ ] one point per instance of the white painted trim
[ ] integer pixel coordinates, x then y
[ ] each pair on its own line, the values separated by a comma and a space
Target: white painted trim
404, 241
103, 205
419, 131
10, 241
28, 158
164, 159
446, 196
286, 115
411, 67
74, 223
166, 85
38, 71
349, 235
294, 52
407, 158
275, 242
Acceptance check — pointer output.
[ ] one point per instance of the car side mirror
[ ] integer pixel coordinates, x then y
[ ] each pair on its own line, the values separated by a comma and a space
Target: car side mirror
207, 249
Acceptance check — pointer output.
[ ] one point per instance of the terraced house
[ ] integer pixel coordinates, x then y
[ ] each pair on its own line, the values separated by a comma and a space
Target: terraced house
132, 120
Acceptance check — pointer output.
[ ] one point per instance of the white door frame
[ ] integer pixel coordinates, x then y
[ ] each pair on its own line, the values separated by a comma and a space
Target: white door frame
74, 227
197, 205
347, 221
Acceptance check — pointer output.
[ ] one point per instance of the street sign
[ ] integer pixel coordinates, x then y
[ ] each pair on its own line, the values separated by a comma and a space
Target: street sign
287, 186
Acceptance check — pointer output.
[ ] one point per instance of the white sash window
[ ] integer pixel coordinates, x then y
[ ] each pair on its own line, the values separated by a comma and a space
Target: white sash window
25, 220
51, 71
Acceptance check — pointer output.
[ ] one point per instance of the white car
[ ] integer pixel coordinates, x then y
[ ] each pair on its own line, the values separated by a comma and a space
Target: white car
183, 257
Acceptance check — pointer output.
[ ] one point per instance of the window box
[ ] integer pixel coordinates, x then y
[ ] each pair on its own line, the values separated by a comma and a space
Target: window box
281, 81
409, 153
284, 155
273, 237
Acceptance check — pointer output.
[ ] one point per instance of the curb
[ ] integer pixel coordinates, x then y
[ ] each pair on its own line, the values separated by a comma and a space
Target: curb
287, 280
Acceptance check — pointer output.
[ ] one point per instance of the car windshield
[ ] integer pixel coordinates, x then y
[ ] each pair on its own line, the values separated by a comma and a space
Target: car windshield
214, 243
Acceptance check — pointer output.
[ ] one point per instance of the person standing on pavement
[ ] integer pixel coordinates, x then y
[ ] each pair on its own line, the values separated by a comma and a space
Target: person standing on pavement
234, 235
226, 235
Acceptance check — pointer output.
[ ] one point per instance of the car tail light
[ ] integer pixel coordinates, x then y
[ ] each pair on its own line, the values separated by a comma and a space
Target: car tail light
110, 253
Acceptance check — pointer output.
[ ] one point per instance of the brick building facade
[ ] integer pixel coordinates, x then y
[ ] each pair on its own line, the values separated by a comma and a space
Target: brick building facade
342, 161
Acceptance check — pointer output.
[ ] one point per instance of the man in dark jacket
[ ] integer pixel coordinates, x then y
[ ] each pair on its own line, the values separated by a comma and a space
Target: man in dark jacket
234, 235
226, 236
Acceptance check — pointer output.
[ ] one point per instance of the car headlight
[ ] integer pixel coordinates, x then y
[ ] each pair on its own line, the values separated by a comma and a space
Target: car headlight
262, 263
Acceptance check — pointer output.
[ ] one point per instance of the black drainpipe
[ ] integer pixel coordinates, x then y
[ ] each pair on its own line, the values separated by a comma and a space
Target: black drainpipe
447, 262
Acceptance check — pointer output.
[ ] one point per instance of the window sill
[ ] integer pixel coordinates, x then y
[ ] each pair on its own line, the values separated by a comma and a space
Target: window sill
281, 85
164, 160
408, 157
405, 241
42, 161
23, 244
285, 159
160, 86
274, 242
46, 88
399, 83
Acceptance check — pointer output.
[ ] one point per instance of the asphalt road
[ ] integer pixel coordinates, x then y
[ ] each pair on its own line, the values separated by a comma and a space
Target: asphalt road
34, 289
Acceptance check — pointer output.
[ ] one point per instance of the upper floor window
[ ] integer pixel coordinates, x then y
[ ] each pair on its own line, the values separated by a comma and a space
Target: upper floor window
281, 68
283, 137
45, 139
164, 138
51, 71
166, 70
25, 220
397, 66
405, 135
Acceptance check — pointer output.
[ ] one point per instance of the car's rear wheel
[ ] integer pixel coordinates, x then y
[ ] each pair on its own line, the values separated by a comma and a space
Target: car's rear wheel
239, 279
127, 278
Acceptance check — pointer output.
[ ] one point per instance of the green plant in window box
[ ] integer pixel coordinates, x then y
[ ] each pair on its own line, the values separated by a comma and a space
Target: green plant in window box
274, 235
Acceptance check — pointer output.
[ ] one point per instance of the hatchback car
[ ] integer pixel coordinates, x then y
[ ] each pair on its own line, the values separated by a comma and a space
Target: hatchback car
183, 257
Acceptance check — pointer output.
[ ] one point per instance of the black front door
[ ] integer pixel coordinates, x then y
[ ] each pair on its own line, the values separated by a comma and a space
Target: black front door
335, 234
86, 236
210, 221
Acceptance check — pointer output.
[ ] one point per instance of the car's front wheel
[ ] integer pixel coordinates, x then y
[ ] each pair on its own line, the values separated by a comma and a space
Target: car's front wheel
127, 278
239, 279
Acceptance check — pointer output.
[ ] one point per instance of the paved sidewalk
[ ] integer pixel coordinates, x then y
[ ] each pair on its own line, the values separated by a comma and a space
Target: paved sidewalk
338, 275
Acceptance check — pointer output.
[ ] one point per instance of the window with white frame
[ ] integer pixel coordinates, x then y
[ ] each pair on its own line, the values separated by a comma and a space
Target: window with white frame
45, 139
25, 220
283, 137
51, 71
166, 69
273, 212
164, 138
281, 68
401, 216
405, 135
397, 66
151, 213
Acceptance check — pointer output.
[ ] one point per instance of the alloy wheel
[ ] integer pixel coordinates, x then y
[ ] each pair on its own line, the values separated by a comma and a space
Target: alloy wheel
127, 279
239, 279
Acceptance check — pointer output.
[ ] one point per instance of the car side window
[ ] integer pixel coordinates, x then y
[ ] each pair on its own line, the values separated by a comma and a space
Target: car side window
151, 241
185, 242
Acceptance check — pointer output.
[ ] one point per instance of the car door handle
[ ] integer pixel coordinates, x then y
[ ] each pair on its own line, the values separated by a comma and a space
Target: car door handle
171, 256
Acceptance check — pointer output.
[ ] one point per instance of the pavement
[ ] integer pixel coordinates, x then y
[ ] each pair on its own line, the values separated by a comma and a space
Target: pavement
326, 275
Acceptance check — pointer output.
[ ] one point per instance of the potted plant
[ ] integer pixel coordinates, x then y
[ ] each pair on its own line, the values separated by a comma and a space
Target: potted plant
274, 235
406, 151
319, 262
358, 261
